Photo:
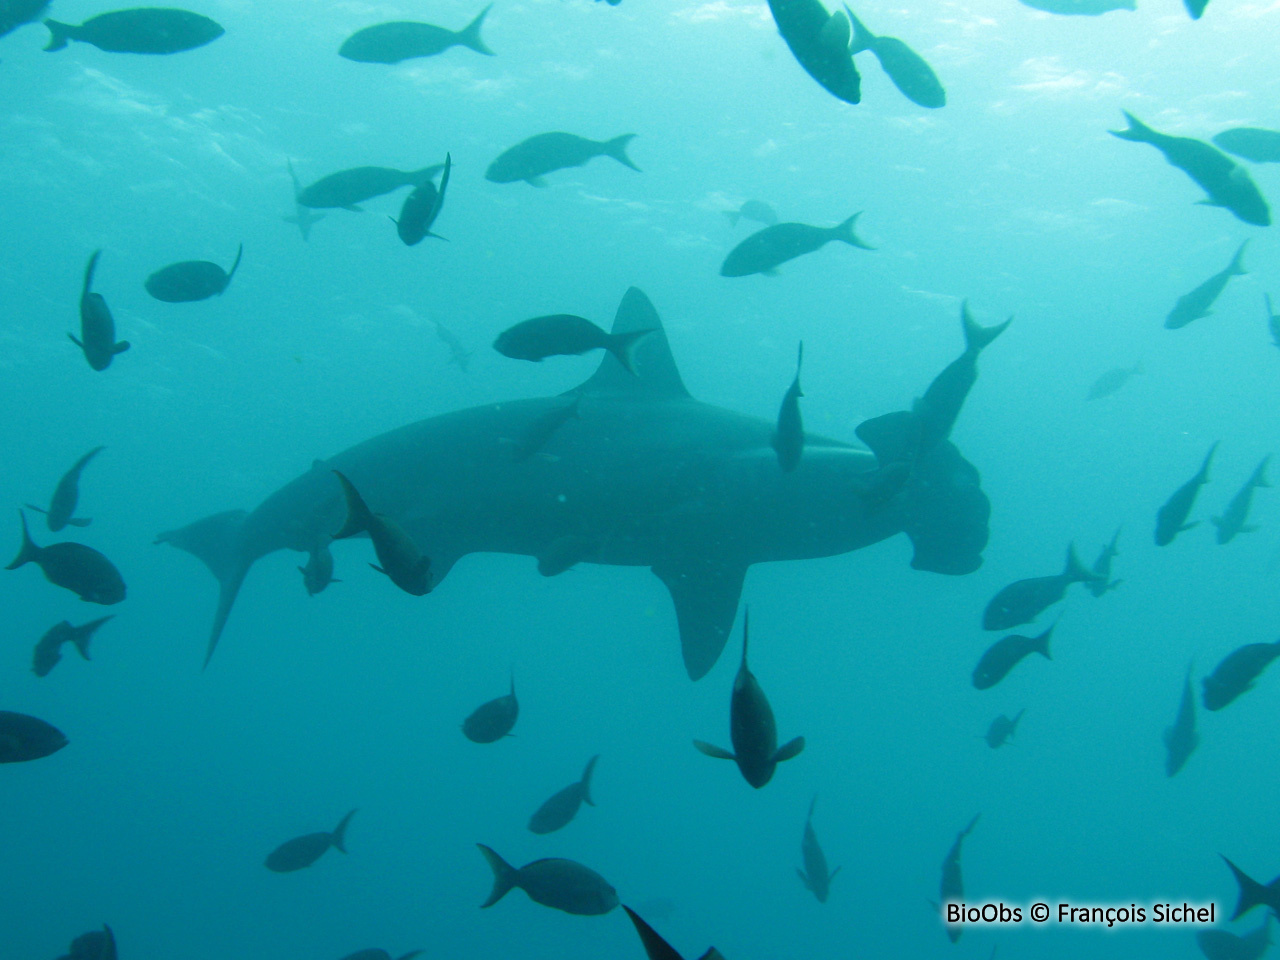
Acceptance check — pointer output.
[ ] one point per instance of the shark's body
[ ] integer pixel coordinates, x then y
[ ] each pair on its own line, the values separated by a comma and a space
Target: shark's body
650, 475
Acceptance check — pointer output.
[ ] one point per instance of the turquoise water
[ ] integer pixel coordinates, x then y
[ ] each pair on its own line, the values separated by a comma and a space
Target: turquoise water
177, 783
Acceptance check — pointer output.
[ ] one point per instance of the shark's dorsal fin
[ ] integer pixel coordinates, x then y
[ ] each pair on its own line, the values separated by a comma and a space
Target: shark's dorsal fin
656, 376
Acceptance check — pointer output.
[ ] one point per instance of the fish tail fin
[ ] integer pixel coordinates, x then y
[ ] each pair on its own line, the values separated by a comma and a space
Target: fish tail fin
92, 265
235, 266
1237, 262
1077, 572
59, 34
1252, 893
339, 837
655, 947
1137, 130
85, 633
623, 345
862, 37
977, 338
359, 516
469, 36
1042, 644
586, 781
504, 876
28, 551
1208, 458
617, 148
845, 232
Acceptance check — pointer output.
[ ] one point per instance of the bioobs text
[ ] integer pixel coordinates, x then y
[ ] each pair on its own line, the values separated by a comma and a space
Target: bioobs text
1109, 916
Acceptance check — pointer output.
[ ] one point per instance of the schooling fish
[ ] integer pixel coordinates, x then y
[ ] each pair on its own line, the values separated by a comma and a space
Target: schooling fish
1112, 381
1102, 567
1024, 600
563, 334
191, 280
400, 557
303, 217
563, 806
1181, 739
765, 250
65, 496
82, 570
1225, 945
1235, 518
141, 30
347, 188
406, 39
751, 727
906, 68
1198, 303
820, 44
422, 207
756, 210
493, 720
815, 876
1005, 654
1251, 143
318, 573
530, 160
788, 438
14, 13
560, 884
1252, 893
97, 326
1227, 183
1236, 674
1171, 519
951, 889
95, 945
1002, 730
1084, 8
303, 851
48, 650
27, 738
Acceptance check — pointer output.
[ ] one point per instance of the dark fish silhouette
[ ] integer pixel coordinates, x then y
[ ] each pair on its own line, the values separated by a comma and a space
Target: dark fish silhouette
1235, 519
751, 727
560, 884
82, 570
421, 208
563, 806
906, 68
756, 210
1252, 893
14, 13
402, 561
1002, 730
1005, 654
1236, 674
1225, 945
815, 875
347, 188
493, 720
1227, 183
95, 945
303, 217
655, 947
1171, 519
27, 738
530, 160
817, 45
406, 39
65, 496
1273, 320
1252, 143
48, 650
1111, 381
141, 30
318, 572
303, 851
1102, 568
1084, 8
951, 889
97, 326
765, 250
940, 406
1198, 302
1181, 739
563, 334
1024, 600
541, 429
191, 280
788, 438
1195, 7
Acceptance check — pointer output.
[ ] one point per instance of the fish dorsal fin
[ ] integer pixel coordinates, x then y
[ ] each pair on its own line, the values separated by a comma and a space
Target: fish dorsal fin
656, 376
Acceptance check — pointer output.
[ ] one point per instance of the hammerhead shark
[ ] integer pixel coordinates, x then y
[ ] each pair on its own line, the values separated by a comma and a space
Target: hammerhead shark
644, 475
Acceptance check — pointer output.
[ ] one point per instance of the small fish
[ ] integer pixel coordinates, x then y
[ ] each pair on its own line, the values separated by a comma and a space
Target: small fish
541, 429
65, 496
1235, 518
405, 40
756, 210
815, 875
459, 354
48, 650
565, 553
906, 68
940, 406
1199, 302
80, 569
560, 884
1002, 730
97, 326
14, 13
1225, 945
347, 188
303, 217
191, 280
951, 888
751, 727
141, 30
25, 738
1112, 381
400, 557
788, 438
765, 250
563, 806
1171, 519
1252, 893
303, 851
1024, 600
95, 945
1236, 674
1273, 320
1080, 8
1181, 739
318, 573
493, 720
1005, 654
1102, 568
422, 207
655, 947
563, 334
530, 160
817, 45
1252, 143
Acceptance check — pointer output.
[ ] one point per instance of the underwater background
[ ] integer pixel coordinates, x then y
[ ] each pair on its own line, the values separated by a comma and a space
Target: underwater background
177, 782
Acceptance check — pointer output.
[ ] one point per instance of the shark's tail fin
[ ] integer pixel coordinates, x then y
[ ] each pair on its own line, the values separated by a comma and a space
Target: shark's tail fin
617, 148
469, 36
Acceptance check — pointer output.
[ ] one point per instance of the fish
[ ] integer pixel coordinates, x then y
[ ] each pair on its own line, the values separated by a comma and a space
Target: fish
25, 738
191, 280
804, 25
1005, 654
406, 39
303, 217
1171, 519
940, 406
1235, 518
493, 720
95, 945
97, 326
48, 650
788, 438
542, 429
751, 727
1225, 945
1081, 8
421, 208
459, 354
909, 72
348, 188
1024, 600
1102, 568
765, 250
815, 875
1198, 302
631, 480
301, 852
376, 954
1002, 730
1252, 893
756, 210
1112, 381
318, 572
532, 159
1236, 674
951, 889
65, 496
563, 806
553, 882
565, 335
14, 13
1251, 143
1273, 320
80, 569
655, 947
1181, 739
406, 566
140, 30
1227, 184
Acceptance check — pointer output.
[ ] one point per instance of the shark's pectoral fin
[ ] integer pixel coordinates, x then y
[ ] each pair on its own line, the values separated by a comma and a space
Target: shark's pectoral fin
711, 750
706, 597
789, 749
946, 513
